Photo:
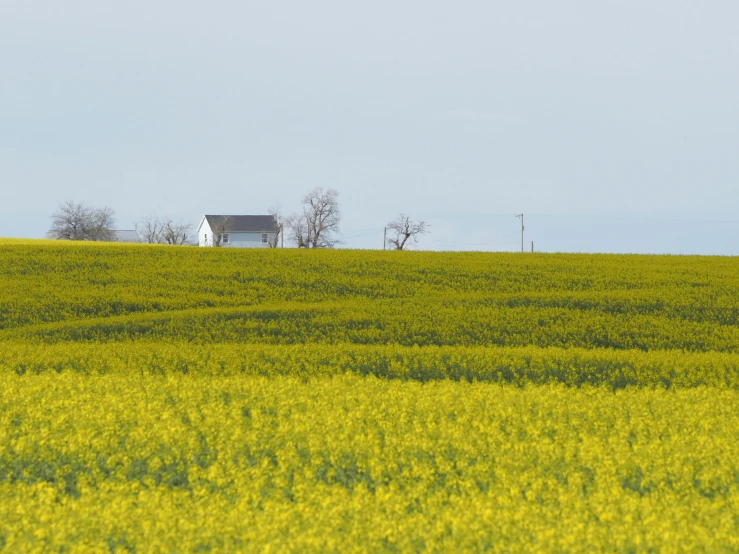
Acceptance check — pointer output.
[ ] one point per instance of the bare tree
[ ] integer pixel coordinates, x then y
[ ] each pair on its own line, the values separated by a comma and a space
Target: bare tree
406, 231
316, 226
219, 226
274, 240
298, 230
177, 233
151, 229
103, 219
77, 221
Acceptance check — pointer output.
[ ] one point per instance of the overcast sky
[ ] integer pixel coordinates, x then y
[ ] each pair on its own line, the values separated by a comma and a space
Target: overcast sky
612, 125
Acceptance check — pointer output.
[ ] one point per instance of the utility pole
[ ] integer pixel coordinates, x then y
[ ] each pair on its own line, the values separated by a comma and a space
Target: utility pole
521, 216
532, 246
282, 236
384, 239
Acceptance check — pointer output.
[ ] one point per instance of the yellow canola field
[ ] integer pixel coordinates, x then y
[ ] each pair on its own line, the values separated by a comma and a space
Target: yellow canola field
159, 399
53, 291
352, 464
613, 369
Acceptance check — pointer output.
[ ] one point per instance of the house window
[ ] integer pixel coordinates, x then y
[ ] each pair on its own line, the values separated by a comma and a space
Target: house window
206, 238
264, 238
225, 238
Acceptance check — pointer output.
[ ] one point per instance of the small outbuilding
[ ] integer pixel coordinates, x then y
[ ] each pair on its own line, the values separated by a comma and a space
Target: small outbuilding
238, 231
126, 235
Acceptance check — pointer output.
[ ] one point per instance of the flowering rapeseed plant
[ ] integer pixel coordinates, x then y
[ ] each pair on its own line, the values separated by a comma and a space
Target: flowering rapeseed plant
180, 399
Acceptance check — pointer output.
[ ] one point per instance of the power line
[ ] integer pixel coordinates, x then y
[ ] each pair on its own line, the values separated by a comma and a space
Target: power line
361, 233
487, 242
483, 243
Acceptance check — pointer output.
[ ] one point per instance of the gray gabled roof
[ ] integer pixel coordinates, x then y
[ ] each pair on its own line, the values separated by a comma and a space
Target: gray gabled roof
244, 223
126, 235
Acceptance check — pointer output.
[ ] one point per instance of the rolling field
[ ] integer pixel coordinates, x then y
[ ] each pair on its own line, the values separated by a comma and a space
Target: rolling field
158, 399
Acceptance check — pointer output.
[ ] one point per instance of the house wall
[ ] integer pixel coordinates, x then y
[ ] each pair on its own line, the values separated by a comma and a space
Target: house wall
204, 232
247, 240
235, 240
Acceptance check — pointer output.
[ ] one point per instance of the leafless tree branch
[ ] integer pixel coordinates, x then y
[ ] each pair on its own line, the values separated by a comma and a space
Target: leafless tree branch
280, 220
406, 231
77, 221
151, 229
219, 227
156, 230
177, 233
316, 226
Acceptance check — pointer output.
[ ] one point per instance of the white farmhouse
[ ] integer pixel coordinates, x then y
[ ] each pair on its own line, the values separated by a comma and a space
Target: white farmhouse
237, 231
